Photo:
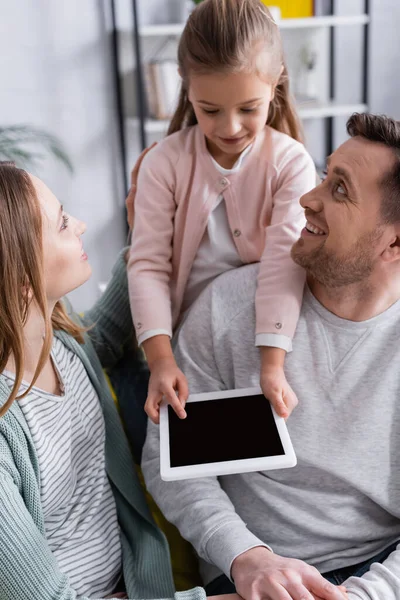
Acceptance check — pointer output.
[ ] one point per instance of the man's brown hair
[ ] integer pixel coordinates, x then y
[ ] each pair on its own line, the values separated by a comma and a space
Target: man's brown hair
384, 130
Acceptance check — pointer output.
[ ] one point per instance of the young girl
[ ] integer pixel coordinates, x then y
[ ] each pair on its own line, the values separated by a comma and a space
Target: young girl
222, 190
74, 522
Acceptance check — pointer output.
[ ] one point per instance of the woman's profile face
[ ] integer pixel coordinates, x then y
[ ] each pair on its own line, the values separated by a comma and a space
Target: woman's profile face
66, 265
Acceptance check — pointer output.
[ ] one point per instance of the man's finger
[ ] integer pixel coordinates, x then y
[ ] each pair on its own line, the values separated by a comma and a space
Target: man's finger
277, 592
325, 589
298, 591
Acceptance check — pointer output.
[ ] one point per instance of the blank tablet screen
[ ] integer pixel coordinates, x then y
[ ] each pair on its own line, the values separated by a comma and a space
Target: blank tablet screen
221, 430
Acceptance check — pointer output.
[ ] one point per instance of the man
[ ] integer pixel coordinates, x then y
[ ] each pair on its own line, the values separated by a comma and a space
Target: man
336, 515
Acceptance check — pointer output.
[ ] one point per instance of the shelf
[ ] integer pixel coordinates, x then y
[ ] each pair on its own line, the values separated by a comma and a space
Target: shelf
306, 111
306, 23
329, 21
319, 110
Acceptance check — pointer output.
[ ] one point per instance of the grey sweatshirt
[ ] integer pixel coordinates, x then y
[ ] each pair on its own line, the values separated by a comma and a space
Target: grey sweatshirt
341, 504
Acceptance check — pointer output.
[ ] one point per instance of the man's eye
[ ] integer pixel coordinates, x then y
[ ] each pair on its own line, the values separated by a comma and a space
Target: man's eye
340, 189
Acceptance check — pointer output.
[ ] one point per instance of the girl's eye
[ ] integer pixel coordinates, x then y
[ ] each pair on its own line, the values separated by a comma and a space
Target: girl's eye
210, 112
248, 110
64, 224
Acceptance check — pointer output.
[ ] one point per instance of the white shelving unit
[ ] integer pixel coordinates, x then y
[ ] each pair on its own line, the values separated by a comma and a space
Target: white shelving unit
311, 110
307, 23
315, 32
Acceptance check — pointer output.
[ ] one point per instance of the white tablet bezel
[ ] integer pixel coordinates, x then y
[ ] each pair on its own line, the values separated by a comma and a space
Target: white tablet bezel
265, 463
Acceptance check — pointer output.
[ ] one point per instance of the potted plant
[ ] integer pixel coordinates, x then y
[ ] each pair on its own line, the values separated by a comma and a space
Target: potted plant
24, 145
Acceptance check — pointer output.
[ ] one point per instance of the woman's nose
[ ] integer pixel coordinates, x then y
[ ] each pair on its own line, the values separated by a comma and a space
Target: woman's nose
80, 227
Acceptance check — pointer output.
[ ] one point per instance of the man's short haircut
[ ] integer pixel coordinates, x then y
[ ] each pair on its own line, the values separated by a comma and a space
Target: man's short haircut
382, 129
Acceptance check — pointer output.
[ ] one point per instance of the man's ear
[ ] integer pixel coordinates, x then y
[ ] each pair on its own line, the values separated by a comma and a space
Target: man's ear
392, 251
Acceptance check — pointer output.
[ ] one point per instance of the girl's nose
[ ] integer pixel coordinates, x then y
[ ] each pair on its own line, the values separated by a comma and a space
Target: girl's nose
231, 128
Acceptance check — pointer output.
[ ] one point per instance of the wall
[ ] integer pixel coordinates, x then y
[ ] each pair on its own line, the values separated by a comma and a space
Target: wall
55, 61
384, 46
54, 57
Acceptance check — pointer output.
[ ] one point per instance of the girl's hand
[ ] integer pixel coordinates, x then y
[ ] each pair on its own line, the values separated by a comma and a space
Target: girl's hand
277, 390
130, 201
166, 381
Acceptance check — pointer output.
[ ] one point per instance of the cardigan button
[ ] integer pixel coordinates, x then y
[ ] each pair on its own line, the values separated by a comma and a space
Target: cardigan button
278, 325
138, 325
237, 233
223, 182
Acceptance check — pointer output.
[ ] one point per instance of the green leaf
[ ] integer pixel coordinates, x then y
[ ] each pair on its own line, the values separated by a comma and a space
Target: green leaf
20, 144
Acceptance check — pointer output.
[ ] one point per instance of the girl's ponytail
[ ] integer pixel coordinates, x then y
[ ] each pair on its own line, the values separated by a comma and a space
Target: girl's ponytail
184, 114
282, 112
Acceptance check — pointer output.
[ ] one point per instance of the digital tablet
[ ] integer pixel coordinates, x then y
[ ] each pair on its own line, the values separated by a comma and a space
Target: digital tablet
234, 431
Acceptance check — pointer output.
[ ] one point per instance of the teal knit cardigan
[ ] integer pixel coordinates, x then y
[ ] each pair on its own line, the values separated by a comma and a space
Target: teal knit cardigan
28, 570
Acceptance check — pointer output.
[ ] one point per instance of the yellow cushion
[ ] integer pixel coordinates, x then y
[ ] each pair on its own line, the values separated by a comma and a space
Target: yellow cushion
183, 558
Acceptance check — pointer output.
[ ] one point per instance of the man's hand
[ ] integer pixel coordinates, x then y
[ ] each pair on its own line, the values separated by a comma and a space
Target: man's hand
130, 201
341, 588
258, 573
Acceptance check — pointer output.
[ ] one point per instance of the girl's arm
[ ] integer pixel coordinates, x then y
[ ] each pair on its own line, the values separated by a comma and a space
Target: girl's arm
149, 265
281, 281
149, 273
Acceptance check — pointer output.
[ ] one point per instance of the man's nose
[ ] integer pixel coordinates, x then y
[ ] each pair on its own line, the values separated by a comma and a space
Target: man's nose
312, 199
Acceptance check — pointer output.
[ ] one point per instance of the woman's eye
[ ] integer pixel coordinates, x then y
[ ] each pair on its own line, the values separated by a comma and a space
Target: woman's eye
248, 110
64, 223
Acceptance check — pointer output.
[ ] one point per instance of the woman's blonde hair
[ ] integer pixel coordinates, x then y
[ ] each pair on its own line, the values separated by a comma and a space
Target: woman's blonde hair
21, 276
228, 36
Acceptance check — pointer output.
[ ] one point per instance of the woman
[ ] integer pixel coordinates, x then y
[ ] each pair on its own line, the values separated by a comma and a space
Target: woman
73, 519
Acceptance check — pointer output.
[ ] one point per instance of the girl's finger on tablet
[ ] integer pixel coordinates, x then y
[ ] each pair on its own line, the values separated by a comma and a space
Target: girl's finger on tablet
174, 401
182, 389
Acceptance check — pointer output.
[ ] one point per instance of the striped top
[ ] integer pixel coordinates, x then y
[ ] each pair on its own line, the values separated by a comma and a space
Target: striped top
78, 505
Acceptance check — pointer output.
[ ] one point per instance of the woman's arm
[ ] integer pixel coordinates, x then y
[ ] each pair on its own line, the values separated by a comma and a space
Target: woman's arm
28, 568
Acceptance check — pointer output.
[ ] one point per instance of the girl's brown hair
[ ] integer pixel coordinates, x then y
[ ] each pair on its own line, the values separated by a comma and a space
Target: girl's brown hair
21, 276
228, 36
